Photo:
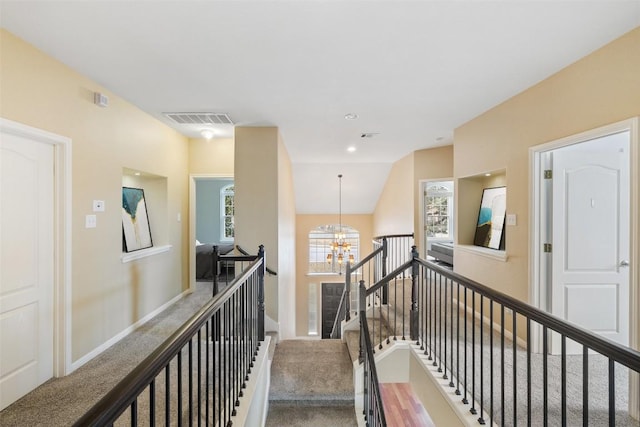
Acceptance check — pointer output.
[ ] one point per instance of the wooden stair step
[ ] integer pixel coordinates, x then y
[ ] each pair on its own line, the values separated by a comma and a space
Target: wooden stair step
402, 407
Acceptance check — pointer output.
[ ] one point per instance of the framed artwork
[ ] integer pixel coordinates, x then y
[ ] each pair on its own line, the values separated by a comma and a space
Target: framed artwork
490, 227
135, 221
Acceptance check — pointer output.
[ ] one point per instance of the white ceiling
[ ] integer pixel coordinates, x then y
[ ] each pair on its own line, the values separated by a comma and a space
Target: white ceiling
411, 70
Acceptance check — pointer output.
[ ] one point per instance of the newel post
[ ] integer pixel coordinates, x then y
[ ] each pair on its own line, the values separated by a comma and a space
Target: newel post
362, 309
413, 326
261, 272
347, 293
215, 255
385, 288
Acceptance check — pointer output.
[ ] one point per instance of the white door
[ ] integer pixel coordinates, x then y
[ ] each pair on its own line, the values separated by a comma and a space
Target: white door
590, 244
26, 268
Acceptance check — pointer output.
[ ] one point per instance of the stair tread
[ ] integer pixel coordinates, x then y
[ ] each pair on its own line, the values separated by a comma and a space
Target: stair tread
307, 370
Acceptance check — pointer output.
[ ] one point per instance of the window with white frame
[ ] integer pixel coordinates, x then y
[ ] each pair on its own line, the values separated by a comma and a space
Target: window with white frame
322, 243
227, 210
438, 211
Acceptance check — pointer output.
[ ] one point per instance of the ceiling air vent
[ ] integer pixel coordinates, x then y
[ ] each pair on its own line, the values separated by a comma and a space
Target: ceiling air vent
200, 118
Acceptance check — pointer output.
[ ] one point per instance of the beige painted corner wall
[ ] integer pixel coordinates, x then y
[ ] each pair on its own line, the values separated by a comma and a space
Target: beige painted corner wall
264, 205
599, 89
394, 210
286, 245
107, 295
304, 224
398, 209
429, 165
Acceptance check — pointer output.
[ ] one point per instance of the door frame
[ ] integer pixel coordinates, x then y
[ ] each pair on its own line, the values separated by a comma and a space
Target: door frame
537, 292
62, 353
192, 220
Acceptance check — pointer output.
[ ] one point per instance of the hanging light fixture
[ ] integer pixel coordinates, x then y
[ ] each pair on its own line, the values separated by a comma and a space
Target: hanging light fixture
340, 248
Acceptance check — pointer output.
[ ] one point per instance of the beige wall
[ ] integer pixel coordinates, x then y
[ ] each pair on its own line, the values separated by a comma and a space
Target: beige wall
304, 224
286, 245
214, 156
265, 212
394, 210
599, 89
429, 164
107, 295
398, 208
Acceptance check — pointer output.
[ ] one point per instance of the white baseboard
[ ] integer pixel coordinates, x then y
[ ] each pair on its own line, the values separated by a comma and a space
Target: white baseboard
98, 350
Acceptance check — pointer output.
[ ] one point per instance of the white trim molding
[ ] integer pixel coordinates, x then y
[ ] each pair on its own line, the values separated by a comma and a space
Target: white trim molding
62, 239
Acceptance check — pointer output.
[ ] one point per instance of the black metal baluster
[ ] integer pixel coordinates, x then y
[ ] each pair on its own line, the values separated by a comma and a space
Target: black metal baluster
199, 377
190, 381
207, 373
464, 399
491, 361
545, 383
180, 388
134, 413
585, 386
502, 416
152, 402
451, 302
612, 393
422, 312
167, 395
444, 375
514, 346
430, 306
563, 381
528, 371
481, 419
220, 373
473, 353
439, 319
458, 339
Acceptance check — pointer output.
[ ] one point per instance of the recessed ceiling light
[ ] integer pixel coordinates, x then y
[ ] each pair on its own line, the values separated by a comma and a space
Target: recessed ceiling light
351, 149
487, 174
207, 133
137, 174
351, 116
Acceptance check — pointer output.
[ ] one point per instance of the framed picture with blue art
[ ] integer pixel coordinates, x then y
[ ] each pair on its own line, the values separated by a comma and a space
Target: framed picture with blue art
490, 227
136, 233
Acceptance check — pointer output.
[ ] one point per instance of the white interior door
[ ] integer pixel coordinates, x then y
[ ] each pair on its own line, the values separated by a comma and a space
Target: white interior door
590, 255
26, 260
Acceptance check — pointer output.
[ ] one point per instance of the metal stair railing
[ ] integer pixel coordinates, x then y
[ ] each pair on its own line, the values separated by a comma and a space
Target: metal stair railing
482, 342
200, 372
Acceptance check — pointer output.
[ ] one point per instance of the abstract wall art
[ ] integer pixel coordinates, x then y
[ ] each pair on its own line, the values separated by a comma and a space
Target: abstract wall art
490, 227
135, 221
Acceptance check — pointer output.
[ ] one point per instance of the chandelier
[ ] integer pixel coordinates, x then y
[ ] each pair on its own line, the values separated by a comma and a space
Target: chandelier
340, 248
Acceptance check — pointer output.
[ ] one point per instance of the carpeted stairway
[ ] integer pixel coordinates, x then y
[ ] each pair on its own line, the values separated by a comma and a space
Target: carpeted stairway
311, 385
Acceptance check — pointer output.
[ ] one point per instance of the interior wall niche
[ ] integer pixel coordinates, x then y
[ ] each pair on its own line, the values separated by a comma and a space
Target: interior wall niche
469, 197
155, 193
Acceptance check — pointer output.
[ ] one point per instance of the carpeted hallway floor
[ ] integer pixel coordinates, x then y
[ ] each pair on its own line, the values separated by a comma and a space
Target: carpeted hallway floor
311, 385
61, 401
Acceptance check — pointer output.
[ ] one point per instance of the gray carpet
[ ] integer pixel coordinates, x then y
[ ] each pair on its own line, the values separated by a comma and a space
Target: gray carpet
61, 401
311, 384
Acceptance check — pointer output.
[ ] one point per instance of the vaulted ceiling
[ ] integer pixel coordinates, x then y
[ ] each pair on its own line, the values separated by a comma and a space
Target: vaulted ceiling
412, 71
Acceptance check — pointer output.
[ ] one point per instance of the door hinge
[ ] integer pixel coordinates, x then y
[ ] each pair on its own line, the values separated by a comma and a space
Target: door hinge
547, 248
548, 174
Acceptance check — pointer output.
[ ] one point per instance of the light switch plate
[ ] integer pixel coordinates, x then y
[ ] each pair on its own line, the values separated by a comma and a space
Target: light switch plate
511, 219
98, 205
90, 221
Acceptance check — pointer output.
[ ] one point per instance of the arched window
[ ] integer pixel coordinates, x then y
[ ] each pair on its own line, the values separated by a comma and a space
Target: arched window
438, 211
322, 243
227, 210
